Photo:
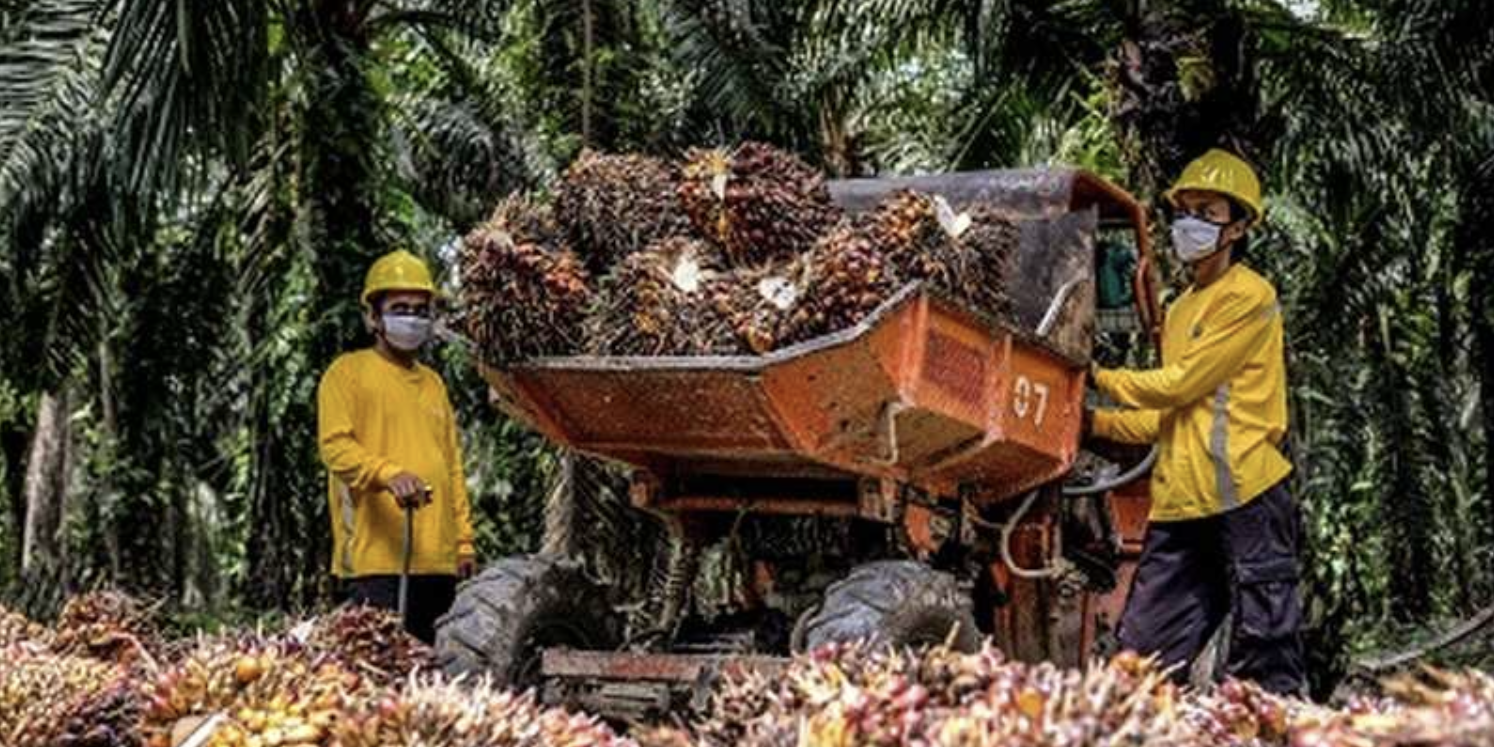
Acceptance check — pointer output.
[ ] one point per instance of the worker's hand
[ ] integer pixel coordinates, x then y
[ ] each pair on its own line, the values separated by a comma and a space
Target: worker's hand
409, 490
466, 566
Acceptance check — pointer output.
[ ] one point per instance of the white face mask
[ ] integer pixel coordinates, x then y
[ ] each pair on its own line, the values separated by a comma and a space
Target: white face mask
1194, 238
407, 332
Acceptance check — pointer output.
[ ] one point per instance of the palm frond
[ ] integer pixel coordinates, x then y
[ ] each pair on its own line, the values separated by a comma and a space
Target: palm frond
40, 51
458, 163
186, 76
739, 60
50, 63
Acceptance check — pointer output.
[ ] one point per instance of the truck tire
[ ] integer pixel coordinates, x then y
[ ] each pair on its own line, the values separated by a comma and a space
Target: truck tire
503, 619
896, 602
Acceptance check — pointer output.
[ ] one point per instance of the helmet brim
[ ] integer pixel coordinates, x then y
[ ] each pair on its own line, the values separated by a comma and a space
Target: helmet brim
1172, 200
414, 287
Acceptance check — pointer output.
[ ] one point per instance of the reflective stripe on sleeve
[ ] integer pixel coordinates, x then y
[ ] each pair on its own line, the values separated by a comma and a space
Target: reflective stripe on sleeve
1224, 480
349, 522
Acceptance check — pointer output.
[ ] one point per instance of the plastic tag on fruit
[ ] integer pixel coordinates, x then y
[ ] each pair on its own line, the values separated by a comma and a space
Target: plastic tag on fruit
954, 223
197, 733
302, 631
718, 185
686, 275
779, 292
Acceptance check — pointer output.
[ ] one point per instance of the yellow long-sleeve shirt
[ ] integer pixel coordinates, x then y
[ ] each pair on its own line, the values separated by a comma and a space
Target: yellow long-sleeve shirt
1217, 407
376, 418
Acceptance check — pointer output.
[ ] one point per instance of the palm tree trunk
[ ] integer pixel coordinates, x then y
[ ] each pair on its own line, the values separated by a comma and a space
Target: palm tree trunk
1475, 244
15, 442
1410, 511
46, 486
588, 71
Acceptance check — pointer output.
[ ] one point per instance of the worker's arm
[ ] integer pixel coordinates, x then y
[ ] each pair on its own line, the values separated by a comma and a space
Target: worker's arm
359, 468
1127, 426
461, 506
1240, 324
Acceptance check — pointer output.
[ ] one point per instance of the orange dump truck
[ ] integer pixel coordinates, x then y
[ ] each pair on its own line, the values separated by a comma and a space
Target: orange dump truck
909, 479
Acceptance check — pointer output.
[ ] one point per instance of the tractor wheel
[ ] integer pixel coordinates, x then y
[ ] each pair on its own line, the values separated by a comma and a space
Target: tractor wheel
503, 619
897, 602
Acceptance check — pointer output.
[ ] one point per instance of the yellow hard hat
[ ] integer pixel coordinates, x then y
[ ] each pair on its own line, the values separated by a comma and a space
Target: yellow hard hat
397, 270
1225, 173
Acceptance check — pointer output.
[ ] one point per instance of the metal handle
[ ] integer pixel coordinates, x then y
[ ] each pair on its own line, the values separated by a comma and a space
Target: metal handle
404, 575
1050, 317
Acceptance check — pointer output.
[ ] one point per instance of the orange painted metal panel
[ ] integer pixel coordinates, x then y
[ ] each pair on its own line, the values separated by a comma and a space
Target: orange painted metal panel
925, 394
1129, 507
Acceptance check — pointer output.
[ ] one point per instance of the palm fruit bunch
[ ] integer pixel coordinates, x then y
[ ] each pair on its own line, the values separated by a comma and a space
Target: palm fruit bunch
614, 205
848, 277
1432, 707
256, 692
109, 625
17, 629
51, 700
756, 202
524, 293
755, 304
109, 717
431, 710
858, 695
1240, 712
993, 236
368, 640
654, 301
968, 256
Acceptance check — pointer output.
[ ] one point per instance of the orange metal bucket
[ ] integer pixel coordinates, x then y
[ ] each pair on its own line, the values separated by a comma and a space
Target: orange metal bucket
922, 392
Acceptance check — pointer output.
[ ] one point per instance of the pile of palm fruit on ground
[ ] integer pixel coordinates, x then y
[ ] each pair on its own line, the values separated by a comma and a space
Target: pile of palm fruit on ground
845, 695
104, 675
729, 251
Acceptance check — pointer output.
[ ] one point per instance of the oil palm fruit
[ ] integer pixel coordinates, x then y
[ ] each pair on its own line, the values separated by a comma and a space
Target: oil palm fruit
756, 202
847, 277
431, 710
368, 640
51, 700
109, 625
967, 256
524, 293
751, 307
614, 205
652, 302
250, 691
16, 629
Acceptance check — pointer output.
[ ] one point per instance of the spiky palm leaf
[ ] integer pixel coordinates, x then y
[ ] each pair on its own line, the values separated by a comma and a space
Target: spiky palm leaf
461, 147
50, 64
189, 78
738, 50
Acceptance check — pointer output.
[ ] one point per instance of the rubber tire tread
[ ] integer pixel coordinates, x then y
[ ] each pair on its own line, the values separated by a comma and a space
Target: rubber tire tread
496, 612
896, 602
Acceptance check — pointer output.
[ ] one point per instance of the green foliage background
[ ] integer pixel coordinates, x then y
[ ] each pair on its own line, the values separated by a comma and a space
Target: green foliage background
190, 192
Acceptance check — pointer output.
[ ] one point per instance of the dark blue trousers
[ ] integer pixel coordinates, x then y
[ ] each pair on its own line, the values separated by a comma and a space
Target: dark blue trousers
430, 598
1242, 563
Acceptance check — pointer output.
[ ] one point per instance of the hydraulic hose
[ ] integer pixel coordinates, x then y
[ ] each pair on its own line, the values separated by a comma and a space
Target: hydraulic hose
1060, 565
1105, 486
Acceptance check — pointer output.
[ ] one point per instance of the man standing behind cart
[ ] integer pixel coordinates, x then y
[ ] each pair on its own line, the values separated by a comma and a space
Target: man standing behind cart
1224, 531
388, 436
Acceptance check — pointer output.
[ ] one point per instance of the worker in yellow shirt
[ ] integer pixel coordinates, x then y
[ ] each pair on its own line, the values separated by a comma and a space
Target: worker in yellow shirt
388, 436
1224, 531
